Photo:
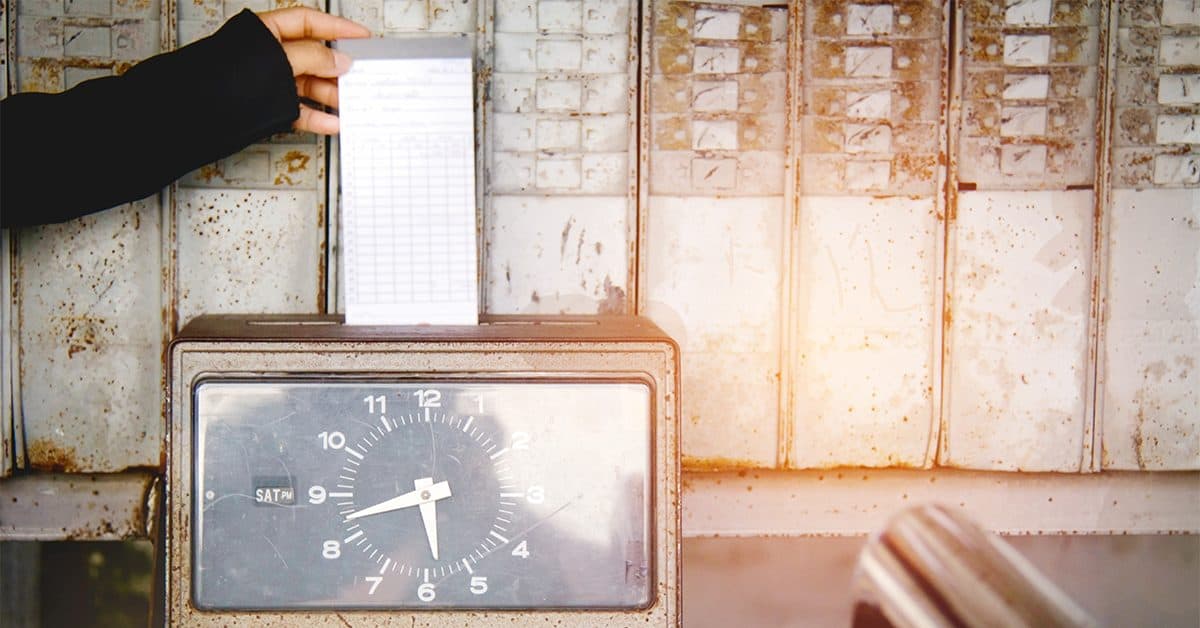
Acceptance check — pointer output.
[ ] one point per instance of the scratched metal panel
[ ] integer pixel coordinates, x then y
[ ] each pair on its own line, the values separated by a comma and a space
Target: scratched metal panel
241, 251
872, 85
559, 262
718, 114
559, 141
1150, 337
713, 283
1028, 94
1151, 408
59, 45
88, 294
91, 340
865, 270
1157, 110
249, 229
1017, 349
712, 247
867, 294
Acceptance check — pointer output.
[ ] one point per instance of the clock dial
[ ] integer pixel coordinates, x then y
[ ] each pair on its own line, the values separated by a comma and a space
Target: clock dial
427, 494
414, 494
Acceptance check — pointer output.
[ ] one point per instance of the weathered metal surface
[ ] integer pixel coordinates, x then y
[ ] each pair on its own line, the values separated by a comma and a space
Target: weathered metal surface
89, 302
247, 251
1029, 86
864, 270
712, 281
59, 45
559, 127
848, 502
1157, 109
1018, 345
1148, 408
712, 247
78, 507
871, 87
563, 262
866, 310
249, 230
717, 80
86, 295
1151, 398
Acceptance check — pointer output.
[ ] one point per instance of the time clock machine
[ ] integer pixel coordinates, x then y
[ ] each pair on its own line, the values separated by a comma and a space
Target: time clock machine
518, 472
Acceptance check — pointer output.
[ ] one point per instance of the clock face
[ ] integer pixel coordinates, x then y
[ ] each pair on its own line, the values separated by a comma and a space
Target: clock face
422, 494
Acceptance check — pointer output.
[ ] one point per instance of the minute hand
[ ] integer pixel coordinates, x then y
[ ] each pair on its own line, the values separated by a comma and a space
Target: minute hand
441, 490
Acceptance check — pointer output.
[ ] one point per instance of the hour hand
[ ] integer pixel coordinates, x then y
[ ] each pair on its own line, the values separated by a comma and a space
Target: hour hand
429, 515
415, 497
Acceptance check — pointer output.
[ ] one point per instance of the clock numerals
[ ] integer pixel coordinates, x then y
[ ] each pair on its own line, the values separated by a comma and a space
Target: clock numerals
428, 398
377, 401
332, 440
374, 580
479, 585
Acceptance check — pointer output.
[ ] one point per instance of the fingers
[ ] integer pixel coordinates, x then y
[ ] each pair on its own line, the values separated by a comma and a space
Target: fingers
309, 56
316, 121
306, 23
320, 90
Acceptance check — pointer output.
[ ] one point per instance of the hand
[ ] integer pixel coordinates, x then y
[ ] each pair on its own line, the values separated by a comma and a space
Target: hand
431, 493
301, 30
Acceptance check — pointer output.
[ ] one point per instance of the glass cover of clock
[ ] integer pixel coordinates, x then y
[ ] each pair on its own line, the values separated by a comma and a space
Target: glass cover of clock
422, 494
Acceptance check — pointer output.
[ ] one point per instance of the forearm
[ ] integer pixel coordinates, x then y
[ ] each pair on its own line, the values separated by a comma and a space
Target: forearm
118, 139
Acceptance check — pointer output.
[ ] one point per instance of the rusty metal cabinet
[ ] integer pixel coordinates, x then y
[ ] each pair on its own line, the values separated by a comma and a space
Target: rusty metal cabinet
885, 234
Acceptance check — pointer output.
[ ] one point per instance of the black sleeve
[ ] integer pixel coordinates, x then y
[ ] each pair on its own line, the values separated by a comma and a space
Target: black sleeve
113, 140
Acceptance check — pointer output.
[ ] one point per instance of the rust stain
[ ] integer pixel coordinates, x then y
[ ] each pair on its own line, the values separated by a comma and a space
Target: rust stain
918, 18
46, 455
82, 332
718, 463
137, 6
673, 19
1136, 126
913, 60
672, 133
985, 46
755, 24
1068, 45
290, 163
614, 301
674, 57
756, 95
827, 19
762, 58
209, 172
670, 94
826, 101
45, 75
